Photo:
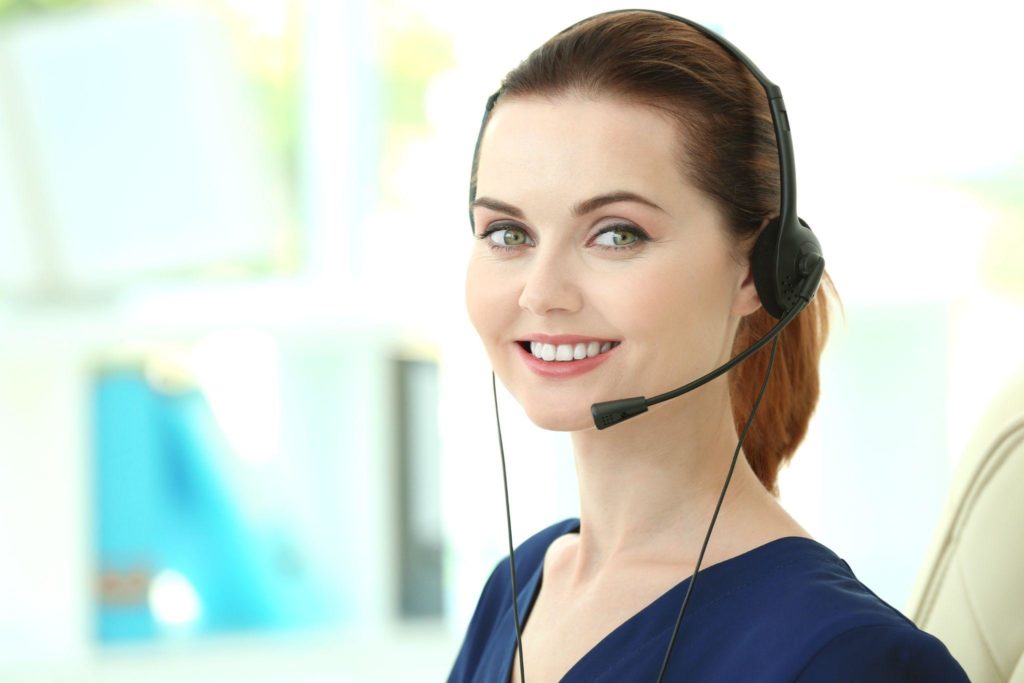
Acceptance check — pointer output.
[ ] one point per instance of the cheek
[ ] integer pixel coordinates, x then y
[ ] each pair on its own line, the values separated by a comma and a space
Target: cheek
484, 297
674, 311
651, 300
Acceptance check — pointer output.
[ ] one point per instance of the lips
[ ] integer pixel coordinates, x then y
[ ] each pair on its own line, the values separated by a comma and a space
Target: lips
564, 356
566, 352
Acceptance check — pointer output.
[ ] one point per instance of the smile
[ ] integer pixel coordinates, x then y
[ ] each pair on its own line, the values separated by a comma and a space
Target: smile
562, 353
572, 357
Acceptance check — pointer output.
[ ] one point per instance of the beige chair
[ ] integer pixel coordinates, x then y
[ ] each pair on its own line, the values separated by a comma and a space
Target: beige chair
970, 591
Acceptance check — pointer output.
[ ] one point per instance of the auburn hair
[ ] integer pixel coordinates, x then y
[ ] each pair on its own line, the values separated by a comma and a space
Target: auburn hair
728, 150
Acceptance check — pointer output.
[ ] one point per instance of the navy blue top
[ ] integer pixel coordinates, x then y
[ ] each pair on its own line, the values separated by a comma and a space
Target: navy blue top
789, 610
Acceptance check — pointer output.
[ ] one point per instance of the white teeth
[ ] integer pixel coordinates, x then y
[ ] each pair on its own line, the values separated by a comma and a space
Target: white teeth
568, 352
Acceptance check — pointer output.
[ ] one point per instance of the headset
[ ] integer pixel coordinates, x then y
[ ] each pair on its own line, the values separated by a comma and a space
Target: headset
787, 266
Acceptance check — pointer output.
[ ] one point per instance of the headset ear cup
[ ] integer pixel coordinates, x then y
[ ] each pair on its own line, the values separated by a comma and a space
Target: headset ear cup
781, 264
763, 263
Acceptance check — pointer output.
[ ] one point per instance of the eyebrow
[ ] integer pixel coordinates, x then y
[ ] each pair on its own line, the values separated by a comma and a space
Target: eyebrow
580, 209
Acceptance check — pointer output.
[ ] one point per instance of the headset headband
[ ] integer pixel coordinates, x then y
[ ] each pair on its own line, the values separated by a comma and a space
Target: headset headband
786, 253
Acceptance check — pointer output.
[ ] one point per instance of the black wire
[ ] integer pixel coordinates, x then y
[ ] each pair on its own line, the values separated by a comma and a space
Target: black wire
511, 552
721, 497
707, 536
736, 360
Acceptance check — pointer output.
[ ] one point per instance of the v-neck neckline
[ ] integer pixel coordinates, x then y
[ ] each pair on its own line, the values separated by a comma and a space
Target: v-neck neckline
528, 596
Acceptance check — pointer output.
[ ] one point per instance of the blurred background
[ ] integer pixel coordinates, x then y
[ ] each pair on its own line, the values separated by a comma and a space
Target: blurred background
245, 425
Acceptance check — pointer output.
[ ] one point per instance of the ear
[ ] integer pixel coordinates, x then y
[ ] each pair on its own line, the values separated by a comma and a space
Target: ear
746, 300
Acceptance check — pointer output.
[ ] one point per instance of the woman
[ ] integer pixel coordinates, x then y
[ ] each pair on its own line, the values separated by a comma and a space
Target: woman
621, 178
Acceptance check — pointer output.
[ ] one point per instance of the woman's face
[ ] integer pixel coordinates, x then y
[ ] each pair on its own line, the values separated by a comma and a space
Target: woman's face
642, 294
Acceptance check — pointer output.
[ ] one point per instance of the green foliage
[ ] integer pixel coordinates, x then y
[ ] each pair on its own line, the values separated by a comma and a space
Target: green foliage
10, 9
411, 57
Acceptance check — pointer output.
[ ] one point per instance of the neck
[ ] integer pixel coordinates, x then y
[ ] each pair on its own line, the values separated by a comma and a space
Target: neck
648, 486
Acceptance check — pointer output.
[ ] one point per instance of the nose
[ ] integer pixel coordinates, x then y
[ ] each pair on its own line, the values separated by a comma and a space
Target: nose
550, 285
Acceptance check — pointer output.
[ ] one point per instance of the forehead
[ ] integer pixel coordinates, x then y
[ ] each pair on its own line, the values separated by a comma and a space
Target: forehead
578, 144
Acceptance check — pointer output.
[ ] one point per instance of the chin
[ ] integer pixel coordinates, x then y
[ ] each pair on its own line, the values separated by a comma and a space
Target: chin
551, 406
559, 419
558, 424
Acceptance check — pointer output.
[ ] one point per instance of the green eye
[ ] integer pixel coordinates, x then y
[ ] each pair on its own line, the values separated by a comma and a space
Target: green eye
617, 237
508, 237
621, 237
